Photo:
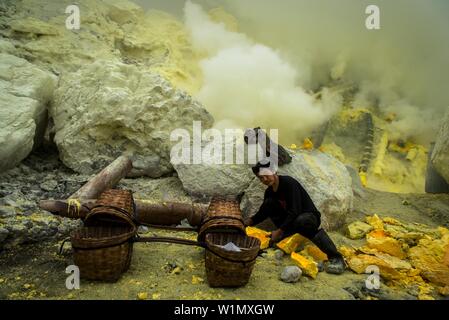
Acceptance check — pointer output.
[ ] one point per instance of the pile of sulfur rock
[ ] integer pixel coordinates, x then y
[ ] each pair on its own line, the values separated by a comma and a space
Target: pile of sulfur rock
308, 258
407, 255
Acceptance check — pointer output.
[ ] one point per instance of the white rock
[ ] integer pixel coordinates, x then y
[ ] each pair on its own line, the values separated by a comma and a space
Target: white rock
209, 180
122, 11
212, 176
253, 197
24, 92
33, 25
291, 274
108, 108
113, 29
440, 154
7, 47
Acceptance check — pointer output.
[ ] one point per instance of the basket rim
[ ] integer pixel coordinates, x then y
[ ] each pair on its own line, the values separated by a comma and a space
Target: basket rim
100, 242
108, 210
242, 256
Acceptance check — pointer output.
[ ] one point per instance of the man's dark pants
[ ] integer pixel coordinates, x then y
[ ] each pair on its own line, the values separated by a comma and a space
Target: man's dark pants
306, 224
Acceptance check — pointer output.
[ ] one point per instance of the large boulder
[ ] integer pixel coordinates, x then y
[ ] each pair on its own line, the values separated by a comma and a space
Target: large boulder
212, 176
108, 108
326, 180
114, 29
440, 154
24, 93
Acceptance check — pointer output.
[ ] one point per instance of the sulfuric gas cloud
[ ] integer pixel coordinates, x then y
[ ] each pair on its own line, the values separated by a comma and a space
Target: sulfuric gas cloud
264, 73
249, 84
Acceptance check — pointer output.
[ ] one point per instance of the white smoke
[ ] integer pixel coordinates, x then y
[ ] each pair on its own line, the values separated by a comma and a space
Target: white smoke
247, 84
401, 68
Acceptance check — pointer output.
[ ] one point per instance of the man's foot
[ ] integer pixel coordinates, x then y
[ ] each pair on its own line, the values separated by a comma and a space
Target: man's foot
335, 265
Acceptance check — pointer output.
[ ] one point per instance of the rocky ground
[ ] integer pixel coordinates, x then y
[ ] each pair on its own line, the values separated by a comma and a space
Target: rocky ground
31, 267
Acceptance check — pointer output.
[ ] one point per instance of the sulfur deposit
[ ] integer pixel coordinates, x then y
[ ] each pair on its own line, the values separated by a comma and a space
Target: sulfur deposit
406, 254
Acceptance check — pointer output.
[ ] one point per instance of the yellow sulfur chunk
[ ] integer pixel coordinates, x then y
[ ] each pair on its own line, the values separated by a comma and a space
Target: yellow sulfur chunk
360, 263
308, 266
307, 144
375, 222
444, 291
156, 296
392, 221
290, 244
260, 234
315, 253
347, 252
363, 179
429, 256
385, 244
358, 229
142, 296
197, 280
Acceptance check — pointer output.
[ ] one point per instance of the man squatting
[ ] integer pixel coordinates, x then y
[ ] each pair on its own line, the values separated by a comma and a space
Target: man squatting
292, 210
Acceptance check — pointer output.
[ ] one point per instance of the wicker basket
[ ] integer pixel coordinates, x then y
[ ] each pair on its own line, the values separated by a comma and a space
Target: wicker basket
114, 206
102, 249
223, 216
103, 253
230, 268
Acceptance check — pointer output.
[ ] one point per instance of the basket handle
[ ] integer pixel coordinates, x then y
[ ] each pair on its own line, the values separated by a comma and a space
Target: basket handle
229, 259
170, 240
113, 207
62, 245
191, 243
158, 226
222, 217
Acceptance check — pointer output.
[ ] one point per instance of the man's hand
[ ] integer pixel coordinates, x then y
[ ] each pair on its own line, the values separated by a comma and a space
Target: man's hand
248, 222
276, 235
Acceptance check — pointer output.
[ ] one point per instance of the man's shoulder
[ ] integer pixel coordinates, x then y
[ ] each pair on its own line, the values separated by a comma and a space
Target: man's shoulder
285, 177
289, 180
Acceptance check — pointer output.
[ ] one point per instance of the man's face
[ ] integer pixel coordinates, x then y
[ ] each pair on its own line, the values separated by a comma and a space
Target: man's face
266, 176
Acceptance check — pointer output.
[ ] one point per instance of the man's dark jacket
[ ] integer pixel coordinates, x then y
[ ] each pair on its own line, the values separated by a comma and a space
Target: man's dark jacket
293, 200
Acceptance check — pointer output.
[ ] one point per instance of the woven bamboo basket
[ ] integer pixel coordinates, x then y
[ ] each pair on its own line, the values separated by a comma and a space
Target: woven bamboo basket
113, 206
230, 268
223, 216
103, 253
102, 249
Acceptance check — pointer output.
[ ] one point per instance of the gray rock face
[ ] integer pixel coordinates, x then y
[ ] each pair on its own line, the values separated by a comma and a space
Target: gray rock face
213, 176
326, 180
108, 108
440, 155
3, 234
291, 274
279, 254
357, 186
209, 180
253, 198
24, 93
21, 220
49, 185
6, 211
